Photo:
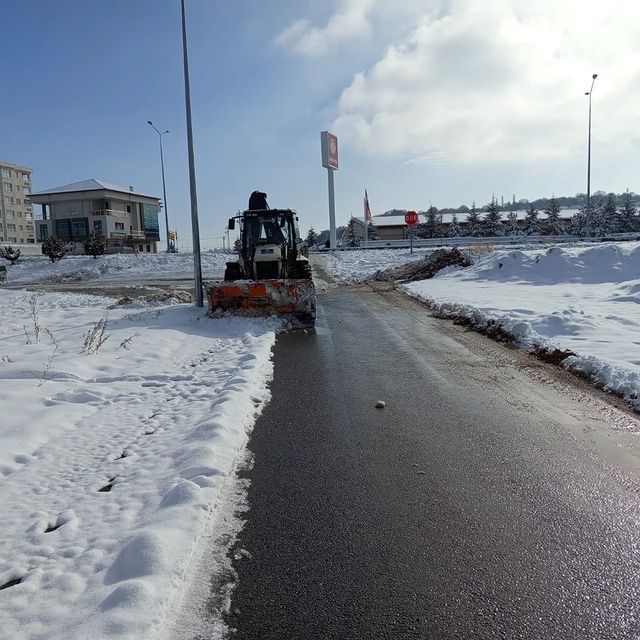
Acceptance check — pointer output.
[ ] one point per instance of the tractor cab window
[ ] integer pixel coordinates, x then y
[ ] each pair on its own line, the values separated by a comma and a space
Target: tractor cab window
264, 230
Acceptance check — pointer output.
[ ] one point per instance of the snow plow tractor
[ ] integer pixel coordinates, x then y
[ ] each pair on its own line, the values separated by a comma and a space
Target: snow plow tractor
272, 274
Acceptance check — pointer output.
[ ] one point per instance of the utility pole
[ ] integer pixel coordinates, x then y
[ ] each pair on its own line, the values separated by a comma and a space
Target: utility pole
588, 222
164, 188
195, 227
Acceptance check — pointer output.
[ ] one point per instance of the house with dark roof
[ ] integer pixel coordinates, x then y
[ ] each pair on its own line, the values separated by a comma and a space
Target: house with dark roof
125, 218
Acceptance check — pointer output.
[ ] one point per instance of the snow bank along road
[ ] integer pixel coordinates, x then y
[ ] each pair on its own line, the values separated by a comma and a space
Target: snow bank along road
118, 430
493, 497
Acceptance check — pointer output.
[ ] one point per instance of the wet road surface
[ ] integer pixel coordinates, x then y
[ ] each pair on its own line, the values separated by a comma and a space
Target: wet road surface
487, 500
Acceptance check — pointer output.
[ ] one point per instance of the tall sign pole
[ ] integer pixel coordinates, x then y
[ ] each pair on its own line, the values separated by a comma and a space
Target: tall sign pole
329, 146
195, 227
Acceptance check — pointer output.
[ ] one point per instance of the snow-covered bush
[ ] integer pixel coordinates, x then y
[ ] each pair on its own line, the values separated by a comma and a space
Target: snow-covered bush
94, 246
54, 249
10, 253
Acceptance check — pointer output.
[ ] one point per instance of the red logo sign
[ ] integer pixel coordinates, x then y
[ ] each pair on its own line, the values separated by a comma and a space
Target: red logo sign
411, 217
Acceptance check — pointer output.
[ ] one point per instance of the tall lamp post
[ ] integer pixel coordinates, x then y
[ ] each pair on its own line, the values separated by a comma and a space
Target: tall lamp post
588, 93
164, 188
195, 226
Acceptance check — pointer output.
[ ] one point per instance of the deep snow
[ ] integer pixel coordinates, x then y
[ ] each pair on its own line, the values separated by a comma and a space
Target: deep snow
112, 463
583, 298
115, 267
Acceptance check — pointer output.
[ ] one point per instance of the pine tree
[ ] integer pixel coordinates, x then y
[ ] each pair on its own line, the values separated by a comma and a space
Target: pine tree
372, 232
11, 254
531, 223
610, 214
599, 221
553, 226
94, 246
492, 223
474, 226
350, 237
431, 229
512, 228
54, 249
454, 228
312, 236
627, 216
578, 224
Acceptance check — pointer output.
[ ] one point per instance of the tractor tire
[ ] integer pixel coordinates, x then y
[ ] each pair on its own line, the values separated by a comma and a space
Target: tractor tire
233, 271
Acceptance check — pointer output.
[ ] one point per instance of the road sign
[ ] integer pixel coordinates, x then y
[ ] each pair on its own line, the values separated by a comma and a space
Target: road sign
411, 217
329, 150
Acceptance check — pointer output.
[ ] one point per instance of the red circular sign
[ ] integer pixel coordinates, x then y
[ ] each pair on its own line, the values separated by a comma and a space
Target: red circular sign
411, 217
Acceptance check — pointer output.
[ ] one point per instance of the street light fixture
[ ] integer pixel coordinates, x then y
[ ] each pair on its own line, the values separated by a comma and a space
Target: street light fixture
588, 93
164, 188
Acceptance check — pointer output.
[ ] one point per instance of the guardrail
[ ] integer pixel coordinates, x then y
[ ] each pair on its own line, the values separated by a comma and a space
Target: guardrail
465, 241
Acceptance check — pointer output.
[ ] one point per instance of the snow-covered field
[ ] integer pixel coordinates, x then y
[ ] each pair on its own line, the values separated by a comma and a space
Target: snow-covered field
113, 267
582, 298
113, 455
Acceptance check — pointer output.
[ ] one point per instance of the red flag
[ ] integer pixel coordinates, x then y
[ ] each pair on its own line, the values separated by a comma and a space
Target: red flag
367, 209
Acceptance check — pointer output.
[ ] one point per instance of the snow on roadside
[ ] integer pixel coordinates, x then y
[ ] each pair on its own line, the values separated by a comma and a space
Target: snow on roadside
41, 269
111, 462
584, 299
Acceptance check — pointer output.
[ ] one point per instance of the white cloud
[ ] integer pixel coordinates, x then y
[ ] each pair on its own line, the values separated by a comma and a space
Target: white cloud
497, 80
349, 23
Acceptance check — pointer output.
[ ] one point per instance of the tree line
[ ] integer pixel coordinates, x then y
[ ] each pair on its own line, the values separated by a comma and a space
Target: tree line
609, 213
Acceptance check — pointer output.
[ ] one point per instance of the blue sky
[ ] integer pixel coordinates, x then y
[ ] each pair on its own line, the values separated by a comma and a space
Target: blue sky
438, 101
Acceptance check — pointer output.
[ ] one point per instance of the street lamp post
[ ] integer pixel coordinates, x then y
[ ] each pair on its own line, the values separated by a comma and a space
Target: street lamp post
195, 226
588, 93
164, 188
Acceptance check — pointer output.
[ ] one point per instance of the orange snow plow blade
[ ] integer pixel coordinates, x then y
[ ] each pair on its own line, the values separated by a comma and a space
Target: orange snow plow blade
293, 299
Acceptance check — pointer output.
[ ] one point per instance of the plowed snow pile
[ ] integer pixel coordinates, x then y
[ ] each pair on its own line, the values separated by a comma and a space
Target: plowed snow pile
583, 299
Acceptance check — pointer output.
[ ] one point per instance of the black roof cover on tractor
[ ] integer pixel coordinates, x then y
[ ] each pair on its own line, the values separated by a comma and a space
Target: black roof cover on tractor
257, 201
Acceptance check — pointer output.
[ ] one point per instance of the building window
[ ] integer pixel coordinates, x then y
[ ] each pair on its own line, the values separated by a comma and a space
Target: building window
21, 240
7, 186
148, 248
9, 200
97, 227
20, 227
106, 205
6, 172
31, 241
12, 239
25, 177
11, 227
120, 226
44, 231
28, 216
71, 228
10, 213
19, 214
151, 225
128, 208
29, 228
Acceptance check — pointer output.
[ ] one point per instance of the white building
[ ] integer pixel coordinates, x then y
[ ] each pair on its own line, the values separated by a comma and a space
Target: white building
128, 220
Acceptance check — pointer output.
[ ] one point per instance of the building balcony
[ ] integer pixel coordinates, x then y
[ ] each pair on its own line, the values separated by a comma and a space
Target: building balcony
110, 212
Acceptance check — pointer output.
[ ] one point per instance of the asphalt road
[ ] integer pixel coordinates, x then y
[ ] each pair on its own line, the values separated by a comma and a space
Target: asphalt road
491, 498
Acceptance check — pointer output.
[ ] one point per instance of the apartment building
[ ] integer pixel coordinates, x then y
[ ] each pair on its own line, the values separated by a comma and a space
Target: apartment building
127, 219
16, 213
